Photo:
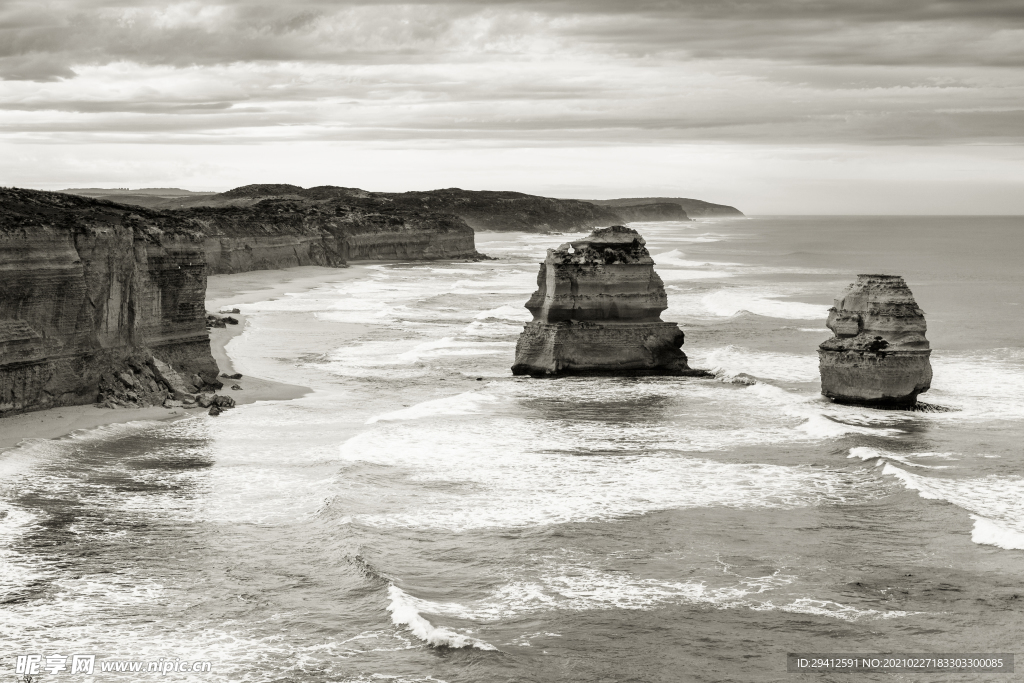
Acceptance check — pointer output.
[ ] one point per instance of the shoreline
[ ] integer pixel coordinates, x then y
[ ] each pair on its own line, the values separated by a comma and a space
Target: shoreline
223, 291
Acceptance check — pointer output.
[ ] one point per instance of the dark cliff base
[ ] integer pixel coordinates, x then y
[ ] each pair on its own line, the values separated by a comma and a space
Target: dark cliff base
629, 372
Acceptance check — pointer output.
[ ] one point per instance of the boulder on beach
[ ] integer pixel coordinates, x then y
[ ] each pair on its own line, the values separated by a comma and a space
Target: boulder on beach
597, 311
879, 355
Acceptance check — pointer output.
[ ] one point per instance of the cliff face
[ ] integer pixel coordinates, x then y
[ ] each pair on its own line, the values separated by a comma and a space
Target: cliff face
504, 211
90, 290
692, 207
656, 211
280, 233
879, 355
597, 311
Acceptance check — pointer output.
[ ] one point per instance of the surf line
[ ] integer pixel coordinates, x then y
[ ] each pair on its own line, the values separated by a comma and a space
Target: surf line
404, 613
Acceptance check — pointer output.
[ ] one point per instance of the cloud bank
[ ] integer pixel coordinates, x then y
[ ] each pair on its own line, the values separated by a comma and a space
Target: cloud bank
512, 75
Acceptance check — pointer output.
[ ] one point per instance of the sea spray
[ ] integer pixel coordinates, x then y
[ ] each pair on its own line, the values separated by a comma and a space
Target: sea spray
404, 612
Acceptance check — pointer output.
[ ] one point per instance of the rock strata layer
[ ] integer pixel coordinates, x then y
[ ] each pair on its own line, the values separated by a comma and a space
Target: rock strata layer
879, 355
325, 230
597, 311
264, 227
98, 302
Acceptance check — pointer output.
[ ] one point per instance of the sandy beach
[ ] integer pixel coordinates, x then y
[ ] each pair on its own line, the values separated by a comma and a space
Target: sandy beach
223, 291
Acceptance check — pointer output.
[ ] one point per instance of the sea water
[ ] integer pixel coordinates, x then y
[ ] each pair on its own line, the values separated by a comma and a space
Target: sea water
425, 516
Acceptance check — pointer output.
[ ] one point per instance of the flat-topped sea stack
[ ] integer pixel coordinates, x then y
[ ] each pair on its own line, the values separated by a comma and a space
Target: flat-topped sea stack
597, 311
879, 355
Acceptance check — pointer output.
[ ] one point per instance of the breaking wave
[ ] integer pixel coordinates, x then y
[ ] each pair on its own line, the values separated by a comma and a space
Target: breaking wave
405, 611
996, 503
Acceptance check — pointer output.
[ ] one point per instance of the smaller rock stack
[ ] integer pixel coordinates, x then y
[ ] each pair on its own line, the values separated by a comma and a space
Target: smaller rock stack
879, 355
597, 311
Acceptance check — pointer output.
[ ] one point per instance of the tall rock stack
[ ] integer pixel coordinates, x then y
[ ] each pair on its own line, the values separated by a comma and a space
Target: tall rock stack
879, 355
597, 311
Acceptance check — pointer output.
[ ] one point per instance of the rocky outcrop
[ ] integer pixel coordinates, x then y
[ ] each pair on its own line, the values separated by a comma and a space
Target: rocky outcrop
692, 207
92, 296
879, 355
597, 311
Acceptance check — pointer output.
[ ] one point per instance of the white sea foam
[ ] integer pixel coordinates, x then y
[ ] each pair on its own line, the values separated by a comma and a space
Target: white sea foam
823, 420
403, 357
729, 302
997, 503
676, 259
515, 312
987, 532
578, 587
448, 346
984, 385
835, 610
825, 427
405, 611
479, 328
865, 453
548, 478
579, 470
522, 284
16, 571
681, 275
730, 361
467, 403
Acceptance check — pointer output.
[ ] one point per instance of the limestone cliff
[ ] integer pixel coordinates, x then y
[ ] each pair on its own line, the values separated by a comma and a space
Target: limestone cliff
597, 311
879, 355
93, 294
692, 207
650, 212
261, 227
279, 233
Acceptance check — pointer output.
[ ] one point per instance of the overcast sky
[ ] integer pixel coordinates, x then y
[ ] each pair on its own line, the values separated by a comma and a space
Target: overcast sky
774, 106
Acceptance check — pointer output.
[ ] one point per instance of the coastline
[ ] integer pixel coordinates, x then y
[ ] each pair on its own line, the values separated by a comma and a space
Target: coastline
222, 291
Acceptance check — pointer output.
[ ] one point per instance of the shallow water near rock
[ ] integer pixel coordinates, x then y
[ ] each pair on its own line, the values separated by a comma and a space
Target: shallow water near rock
425, 516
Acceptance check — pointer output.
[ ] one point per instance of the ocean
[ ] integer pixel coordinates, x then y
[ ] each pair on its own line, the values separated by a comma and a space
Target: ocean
425, 516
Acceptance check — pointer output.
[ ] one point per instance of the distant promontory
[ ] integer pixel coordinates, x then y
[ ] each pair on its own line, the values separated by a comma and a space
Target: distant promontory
692, 207
481, 210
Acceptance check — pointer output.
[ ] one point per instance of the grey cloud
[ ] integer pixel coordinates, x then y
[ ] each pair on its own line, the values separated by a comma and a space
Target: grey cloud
34, 67
911, 71
849, 31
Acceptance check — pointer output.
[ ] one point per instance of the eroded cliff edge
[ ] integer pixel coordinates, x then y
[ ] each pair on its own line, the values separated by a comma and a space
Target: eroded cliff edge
281, 233
93, 296
261, 227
